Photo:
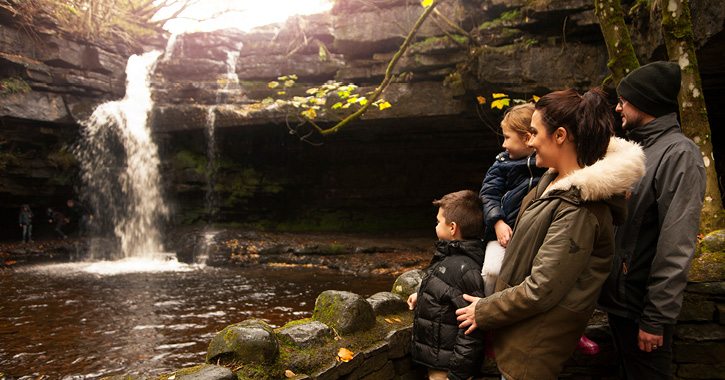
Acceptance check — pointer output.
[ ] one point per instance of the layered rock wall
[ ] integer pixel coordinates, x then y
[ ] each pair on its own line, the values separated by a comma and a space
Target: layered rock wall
380, 172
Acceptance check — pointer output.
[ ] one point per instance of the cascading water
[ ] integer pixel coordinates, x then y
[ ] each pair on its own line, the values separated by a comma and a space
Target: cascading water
231, 85
120, 167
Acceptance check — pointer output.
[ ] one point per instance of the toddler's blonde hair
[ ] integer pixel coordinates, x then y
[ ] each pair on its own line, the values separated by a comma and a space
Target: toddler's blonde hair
518, 118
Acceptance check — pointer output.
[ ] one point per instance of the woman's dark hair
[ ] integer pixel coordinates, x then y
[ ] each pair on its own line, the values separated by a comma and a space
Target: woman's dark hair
587, 118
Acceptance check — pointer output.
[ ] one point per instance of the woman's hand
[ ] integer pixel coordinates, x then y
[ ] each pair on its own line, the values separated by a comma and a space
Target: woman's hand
467, 315
503, 232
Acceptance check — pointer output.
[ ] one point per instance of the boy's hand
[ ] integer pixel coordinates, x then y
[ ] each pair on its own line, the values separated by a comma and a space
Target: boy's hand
467, 315
412, 300
503, 232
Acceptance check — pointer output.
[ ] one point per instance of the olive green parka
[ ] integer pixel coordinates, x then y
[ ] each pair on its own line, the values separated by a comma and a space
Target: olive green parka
556, 262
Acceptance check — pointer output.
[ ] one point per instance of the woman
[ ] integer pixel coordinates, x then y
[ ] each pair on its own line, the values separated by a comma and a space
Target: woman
563, 242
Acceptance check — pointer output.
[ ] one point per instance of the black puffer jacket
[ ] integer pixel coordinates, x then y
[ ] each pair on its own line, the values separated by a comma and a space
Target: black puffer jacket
506, 184
438, 342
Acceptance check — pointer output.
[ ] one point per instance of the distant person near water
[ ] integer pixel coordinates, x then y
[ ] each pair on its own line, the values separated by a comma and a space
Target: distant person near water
80, 214
26, 223
59, 220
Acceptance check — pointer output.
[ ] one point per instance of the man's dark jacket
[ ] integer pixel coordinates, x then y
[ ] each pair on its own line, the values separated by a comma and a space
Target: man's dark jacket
655, 246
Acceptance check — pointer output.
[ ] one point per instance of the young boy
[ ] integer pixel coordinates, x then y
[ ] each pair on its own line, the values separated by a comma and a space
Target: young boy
455, 269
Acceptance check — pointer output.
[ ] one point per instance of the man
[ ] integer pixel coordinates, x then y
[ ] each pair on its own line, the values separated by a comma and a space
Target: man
655, 246
81, 214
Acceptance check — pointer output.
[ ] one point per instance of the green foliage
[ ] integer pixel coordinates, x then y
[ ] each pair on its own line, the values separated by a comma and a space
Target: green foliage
185, 159
246, 184
5, 156
506, 17
13, 85
63, 159
511, 15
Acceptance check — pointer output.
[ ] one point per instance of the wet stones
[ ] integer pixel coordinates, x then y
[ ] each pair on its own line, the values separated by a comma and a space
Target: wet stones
345, 312
408, 283
207, 372
385, 303
308, 335
250, 341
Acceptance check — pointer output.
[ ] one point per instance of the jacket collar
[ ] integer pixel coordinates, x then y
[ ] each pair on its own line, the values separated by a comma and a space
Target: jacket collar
614, 174
471, 248
646, 134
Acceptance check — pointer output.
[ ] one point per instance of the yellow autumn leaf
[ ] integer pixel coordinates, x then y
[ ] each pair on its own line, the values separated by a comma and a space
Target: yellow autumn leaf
384, 105
389, 321
397, 319
289, 374
481, 100
310, 114
536, 98
427, 3
499, 95
273, 84
345, 354
500, 103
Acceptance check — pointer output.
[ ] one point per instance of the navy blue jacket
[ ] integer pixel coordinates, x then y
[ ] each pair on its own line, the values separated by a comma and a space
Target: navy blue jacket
506, 183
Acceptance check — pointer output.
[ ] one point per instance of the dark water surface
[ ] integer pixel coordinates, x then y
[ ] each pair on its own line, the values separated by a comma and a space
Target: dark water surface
93, 320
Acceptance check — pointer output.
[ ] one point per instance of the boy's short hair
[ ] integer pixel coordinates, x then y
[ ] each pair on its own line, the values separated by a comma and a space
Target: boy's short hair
466, 209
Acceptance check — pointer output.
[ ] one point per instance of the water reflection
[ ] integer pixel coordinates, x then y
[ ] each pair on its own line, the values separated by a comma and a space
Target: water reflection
88, 320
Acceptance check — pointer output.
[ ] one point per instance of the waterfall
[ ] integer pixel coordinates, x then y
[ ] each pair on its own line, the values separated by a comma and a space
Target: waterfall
231, 85
120, 167
212, 201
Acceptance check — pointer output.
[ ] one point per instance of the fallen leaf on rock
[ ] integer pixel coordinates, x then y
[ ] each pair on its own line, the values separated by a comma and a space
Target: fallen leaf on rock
397, 319
389, 321
345, 354
289, 374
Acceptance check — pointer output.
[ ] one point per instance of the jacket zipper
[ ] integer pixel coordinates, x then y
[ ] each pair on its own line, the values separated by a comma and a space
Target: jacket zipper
531, 174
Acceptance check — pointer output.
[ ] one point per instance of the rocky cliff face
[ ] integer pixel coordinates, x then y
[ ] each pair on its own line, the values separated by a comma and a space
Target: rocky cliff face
380, 172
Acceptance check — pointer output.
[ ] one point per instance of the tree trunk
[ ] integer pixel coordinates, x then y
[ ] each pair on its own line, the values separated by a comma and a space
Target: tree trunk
677, 27
622, 59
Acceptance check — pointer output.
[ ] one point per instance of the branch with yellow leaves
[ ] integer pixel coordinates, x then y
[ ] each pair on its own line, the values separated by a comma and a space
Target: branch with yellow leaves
430, 6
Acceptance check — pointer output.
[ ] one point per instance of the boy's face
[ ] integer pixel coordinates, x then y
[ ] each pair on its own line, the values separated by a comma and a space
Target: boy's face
443, 228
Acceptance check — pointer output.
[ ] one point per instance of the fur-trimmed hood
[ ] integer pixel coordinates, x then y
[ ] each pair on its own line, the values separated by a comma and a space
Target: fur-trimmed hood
615, 173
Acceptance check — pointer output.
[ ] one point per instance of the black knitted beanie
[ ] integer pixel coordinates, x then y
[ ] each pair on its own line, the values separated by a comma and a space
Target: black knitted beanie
652, 88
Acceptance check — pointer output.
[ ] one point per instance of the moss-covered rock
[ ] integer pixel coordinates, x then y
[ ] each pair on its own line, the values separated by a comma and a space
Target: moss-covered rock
385, 303
346, 312
206, 372
408, 283
250, 341
709, 262
307, 335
